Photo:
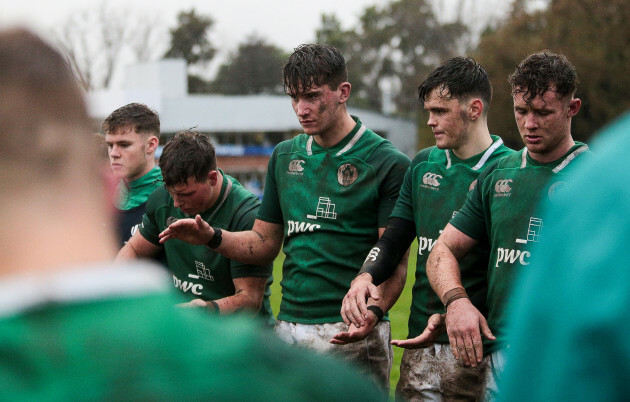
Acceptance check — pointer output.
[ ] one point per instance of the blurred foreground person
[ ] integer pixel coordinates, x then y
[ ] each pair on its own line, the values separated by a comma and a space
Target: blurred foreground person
74, 326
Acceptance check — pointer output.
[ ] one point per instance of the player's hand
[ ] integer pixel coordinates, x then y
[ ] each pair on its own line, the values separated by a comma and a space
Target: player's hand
464, 325
354, 333
193, 231
193, 304
353, 307
436, 326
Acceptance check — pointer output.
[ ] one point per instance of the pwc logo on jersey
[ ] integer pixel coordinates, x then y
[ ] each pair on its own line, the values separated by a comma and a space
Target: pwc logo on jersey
296, 227
502, 188
431, 181
187, 286
295, 167
347, 174
511, 256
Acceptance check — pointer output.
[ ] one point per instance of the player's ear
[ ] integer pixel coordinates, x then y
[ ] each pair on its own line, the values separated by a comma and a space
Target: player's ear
344, 91
152, 143
574, 106
475, 108
213, 177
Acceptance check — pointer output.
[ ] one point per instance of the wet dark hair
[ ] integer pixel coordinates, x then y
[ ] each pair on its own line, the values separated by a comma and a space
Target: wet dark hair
136, 115
539, 71
188, 154
314, 65
459, 78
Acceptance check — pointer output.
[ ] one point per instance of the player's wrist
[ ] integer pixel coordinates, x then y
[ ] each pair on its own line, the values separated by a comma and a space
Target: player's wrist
216, 239
213, 307
378, 312
452, 295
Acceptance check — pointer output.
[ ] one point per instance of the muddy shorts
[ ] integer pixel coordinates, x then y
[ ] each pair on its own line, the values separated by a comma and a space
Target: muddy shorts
373, 354
433, 374
495, 363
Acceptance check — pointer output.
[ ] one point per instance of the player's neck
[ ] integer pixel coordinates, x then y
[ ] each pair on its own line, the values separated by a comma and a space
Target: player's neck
478, 140
147, 168
338, 132
62, 241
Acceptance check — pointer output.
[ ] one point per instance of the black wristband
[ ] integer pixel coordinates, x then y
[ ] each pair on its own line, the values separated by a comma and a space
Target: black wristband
216, 239
377, 311
215, 305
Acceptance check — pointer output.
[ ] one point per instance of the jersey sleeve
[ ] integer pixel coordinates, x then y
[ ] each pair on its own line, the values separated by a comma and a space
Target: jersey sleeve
149, 228
404, 205
471, 218
270, 210
246, 214
390, 172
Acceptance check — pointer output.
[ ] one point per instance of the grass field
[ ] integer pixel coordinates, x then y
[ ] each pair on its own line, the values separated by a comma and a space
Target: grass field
398, 314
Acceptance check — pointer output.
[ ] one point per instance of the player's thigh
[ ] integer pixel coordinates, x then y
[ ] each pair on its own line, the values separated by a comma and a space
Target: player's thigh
434, 374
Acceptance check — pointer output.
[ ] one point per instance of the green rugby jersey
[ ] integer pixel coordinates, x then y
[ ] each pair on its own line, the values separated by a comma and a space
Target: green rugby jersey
331, 201
112, 333
434, 189
503, 210
198, 271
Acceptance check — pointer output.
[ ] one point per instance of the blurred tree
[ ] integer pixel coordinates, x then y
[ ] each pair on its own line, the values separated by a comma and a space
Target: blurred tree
255, 68
189, 41
391, 51
96, 42
594, 36
499, 52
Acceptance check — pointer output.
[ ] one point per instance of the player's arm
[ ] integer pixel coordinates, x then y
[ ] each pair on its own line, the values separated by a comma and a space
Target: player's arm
258, 246
248, 295
464, 322
137, 247
386, 259
385, 296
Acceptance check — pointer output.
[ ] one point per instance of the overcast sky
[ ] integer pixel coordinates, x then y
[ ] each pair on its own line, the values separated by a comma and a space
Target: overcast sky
285, 23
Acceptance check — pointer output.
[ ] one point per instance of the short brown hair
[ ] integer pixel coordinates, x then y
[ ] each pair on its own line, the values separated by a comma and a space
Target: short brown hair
188, 154
138, 116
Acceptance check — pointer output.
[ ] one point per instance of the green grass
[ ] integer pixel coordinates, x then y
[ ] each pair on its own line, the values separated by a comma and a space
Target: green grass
399, 314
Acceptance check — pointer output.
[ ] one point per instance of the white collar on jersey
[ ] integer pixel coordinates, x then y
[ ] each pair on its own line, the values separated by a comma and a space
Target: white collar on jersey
563, 164
309, 142
484, 158
80, 283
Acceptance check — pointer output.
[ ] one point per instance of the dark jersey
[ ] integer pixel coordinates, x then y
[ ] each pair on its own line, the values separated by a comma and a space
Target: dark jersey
198, 271
132, 203
502, 210
331, 201
434, 189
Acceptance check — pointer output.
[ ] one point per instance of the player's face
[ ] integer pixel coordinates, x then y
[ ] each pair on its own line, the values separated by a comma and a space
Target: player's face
130, 153
192, 198
318, 108
448, 120
545, 124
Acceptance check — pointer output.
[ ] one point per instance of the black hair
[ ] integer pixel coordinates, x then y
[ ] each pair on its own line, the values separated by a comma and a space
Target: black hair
459, 78
314, 65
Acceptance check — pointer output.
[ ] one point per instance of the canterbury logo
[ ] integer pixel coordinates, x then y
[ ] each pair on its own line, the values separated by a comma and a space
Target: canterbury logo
431, 179
503, 186
296, 165
372, 255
